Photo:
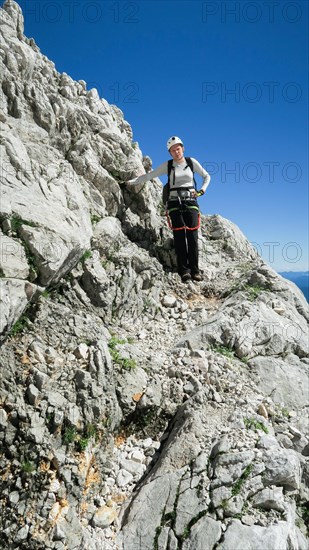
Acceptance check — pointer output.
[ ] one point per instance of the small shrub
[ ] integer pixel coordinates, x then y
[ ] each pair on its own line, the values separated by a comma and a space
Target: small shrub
124, 362
69, 435
82, 443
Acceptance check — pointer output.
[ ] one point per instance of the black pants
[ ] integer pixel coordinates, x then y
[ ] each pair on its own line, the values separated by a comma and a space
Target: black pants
185, 223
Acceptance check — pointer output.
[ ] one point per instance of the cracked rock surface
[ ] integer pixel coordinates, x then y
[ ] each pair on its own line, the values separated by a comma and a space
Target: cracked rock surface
136, 412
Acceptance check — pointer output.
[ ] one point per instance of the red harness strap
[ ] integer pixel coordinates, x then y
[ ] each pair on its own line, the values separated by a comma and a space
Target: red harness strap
184, 226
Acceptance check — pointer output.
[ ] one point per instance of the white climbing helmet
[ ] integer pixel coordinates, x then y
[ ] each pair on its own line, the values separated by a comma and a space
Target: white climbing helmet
173, 141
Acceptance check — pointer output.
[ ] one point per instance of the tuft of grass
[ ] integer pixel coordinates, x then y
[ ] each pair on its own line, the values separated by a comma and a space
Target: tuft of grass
255, 425
28, 467
254, 291
69, 435
16, 222
19, 326
94, 219
238, 485
285, 412
82, 443
87, 254
224, 350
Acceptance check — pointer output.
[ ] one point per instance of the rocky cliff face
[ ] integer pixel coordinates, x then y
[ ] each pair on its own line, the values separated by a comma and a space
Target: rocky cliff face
136, 413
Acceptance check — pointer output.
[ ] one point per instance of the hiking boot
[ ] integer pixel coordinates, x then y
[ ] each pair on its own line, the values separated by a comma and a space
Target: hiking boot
197, 277
186, 277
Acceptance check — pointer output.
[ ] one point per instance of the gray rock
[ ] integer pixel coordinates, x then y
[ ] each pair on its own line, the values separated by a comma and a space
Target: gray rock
275, 377
22, 534
131, 383
68, 406
104, 517
254, 537
161, 493
282, 468
204, 535
33, 394
3, 419
13, 261
169, 301
270, 498
15, 295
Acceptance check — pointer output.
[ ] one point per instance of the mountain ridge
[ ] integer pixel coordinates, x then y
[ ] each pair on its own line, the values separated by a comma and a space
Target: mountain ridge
136, 412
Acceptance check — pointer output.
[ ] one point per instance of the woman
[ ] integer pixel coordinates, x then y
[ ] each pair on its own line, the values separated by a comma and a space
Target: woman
182, 206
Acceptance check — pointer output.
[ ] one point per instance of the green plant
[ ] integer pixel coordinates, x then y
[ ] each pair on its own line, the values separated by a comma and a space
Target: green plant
87, 254
104, 263
156, 539
82, 443
16, 222
124, 362
147, 304
238, 485
94, 219
20, 325
27, 467
114, 341
69, 435
253, 291
224, 350
30, 259
255, 425
303, 513
128, 364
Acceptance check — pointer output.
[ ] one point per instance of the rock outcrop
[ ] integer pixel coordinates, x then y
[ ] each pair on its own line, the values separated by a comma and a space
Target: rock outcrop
136, 412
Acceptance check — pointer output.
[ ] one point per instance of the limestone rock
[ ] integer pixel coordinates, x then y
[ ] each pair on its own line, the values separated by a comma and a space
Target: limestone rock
138, 413
13, 261
255, 537
15, 295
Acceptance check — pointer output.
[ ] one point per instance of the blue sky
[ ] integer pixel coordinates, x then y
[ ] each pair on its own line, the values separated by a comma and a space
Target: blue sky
229, 77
